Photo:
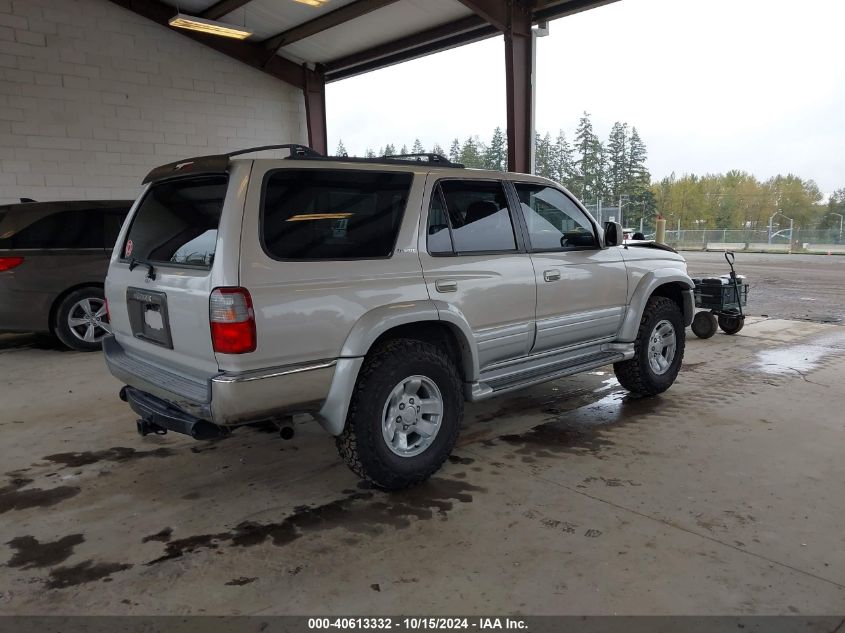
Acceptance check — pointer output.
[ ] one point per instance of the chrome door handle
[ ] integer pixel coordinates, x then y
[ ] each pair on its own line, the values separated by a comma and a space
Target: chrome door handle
551, 275
446, 285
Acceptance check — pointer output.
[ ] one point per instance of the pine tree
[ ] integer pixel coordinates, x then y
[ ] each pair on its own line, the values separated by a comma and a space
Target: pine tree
389, 150
370, 153
543, 161
638, 176
470, 156
617, 160
438, 150
418, 147
404, 149
496, 154
564, 162
455, 151
341, 150
589, 160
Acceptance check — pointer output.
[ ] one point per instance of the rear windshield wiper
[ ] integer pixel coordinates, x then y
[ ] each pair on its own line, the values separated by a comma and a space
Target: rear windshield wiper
151, 271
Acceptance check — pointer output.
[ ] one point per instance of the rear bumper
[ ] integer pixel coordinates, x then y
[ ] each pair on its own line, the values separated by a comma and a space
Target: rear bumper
227, 398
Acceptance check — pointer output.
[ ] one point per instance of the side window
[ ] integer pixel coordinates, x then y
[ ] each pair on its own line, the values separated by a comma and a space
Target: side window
477, 212
439, 236
66, 229
554, 222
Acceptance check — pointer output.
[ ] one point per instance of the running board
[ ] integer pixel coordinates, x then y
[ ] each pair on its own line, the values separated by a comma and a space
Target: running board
491, 386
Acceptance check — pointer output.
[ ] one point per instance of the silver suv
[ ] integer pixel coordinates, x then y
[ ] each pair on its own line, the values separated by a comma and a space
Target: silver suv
377, 295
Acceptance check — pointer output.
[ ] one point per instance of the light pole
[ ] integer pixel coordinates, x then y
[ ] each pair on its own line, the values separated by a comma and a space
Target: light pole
791, 222
840, 223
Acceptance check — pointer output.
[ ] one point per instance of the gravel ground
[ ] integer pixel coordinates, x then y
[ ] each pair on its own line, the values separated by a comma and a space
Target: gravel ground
803, 287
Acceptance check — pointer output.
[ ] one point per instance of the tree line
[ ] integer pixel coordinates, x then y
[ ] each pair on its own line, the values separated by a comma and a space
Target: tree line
614, 170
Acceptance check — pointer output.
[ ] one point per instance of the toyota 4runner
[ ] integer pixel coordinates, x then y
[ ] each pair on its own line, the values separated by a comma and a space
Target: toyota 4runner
377, 295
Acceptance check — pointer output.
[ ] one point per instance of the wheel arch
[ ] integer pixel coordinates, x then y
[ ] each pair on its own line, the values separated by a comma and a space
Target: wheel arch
671, 283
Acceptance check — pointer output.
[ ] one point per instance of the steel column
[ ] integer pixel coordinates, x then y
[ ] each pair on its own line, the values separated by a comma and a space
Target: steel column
518, 61
315, 110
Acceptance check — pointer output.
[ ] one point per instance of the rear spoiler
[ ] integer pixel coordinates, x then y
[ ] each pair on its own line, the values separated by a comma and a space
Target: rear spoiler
218, 163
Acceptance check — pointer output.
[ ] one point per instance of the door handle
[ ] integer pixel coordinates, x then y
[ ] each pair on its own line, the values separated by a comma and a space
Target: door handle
446, 285
551, 275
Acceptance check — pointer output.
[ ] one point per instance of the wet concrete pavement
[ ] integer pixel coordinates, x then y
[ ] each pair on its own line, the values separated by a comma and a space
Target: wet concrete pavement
723, 495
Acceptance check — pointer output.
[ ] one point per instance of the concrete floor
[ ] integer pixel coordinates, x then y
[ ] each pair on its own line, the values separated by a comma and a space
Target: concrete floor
723, 496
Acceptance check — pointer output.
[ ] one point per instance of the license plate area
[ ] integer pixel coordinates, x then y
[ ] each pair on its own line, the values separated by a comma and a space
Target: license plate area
148, 316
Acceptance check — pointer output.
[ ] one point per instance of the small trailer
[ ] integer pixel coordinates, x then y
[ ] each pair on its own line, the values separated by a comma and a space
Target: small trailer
721, 300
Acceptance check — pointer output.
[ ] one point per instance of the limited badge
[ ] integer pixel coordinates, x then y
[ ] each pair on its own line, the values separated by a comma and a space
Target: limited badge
129, 246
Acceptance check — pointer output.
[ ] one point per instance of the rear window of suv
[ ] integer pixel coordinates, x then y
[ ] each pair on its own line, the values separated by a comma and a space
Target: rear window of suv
332, 214
177, 222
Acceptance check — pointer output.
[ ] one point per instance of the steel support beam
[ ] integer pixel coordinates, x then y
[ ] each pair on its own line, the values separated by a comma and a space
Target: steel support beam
221, 8
519, 45
247, 52
324, 22
315, 110
494, 12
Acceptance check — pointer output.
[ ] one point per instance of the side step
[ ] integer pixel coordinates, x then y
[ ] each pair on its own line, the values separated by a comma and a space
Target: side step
493, 385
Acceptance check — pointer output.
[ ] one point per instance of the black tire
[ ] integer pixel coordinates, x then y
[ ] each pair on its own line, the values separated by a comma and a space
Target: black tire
362, 445
731, 324
704, 325
636, 374
62, 328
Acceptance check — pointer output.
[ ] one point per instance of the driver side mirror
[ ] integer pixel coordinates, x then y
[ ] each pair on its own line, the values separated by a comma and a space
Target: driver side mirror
612, 234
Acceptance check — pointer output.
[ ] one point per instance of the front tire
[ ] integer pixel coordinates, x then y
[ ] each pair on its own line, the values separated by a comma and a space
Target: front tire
81, 322
658, 350
404, 416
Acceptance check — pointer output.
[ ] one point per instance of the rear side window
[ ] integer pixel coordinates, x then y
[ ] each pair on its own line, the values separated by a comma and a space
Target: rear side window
477, 215
177, 222
332, 214
81, 228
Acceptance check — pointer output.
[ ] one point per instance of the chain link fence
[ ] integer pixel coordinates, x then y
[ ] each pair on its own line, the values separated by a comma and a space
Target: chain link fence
807, 240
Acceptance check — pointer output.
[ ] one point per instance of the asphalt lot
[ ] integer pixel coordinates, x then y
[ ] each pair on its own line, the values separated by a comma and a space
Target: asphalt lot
722, 496
806, 287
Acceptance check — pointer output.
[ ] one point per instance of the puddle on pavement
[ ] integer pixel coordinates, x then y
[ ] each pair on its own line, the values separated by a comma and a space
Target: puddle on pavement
581, 430
114, 454
30, 553
799, 358
16, 496
367, 511
85, 572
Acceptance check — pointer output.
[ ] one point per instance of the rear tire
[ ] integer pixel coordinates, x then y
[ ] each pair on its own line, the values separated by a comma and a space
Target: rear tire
731, 324
409, 378
704, 325
81, 321
658, 350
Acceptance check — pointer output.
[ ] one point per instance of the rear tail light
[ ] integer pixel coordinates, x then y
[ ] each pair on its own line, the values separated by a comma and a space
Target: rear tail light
7, 263
232, 321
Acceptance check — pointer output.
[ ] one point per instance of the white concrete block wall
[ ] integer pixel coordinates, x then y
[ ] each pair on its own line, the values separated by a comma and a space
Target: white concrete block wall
92, 96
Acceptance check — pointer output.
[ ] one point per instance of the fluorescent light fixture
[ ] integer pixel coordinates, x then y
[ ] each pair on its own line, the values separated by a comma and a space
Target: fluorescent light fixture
212, 27
312, 3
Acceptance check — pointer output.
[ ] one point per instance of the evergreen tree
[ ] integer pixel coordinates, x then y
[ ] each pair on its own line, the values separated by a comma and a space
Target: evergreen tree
564, 162
341, 150
438, 150
638, 176
588, 178
455, 151
389, 150
617, 160
404, 149
496, 154
418, 147
543, 161
470, 155
370, 153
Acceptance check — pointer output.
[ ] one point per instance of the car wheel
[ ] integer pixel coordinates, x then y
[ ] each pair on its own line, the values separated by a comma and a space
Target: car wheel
704, 325
731, 324
81, 321
658, 350
404, 416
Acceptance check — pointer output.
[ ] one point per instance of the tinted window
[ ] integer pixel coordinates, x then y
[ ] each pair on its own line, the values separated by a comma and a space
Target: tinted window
342, 214
439, 237
113, 222
554, 221
478, 215
65, 229
177, 222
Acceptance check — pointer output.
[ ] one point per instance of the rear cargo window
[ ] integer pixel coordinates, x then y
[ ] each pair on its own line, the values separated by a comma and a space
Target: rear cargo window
332, 214
177, 222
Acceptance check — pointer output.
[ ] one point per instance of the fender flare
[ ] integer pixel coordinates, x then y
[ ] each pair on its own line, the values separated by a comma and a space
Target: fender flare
365, 332
645, 288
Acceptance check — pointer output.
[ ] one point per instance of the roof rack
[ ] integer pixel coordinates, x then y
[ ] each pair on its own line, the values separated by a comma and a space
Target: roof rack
401, 159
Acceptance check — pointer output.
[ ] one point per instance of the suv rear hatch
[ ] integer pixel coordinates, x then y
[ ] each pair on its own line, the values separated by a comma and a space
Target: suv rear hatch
164, 268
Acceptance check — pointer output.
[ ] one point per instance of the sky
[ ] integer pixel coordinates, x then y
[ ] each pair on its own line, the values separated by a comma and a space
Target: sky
711, 85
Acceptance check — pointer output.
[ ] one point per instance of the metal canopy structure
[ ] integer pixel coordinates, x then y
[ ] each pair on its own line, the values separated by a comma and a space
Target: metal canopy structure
308, 43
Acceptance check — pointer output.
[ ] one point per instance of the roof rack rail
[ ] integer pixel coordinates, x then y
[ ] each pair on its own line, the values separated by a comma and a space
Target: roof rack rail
429, 156
296, 150
401, 159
